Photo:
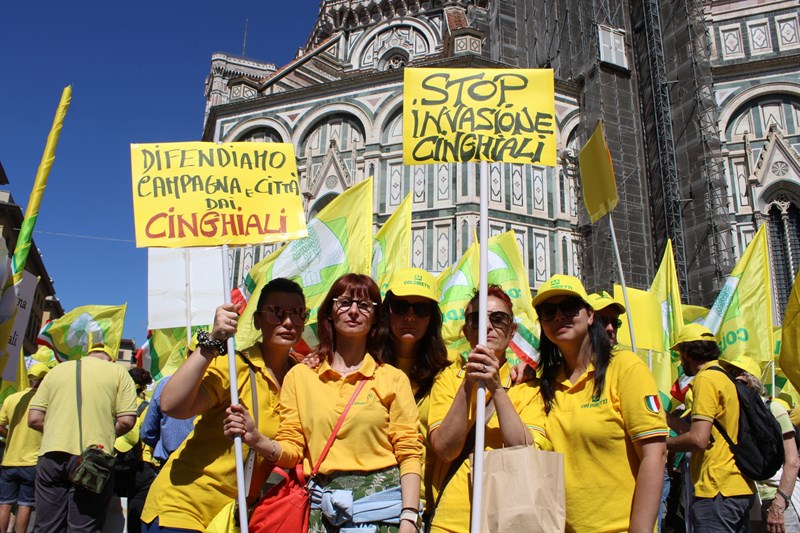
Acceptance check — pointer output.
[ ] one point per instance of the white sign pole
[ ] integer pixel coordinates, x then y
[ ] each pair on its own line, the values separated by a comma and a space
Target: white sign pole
480, 400
622, 282
237, 441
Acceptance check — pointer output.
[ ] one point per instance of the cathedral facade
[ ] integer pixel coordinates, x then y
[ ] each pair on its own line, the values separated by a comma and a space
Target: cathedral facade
734, 133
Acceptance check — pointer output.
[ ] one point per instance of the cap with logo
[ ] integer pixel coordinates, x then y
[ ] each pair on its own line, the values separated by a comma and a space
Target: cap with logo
604, 300
694, 332
414, 282
560, 285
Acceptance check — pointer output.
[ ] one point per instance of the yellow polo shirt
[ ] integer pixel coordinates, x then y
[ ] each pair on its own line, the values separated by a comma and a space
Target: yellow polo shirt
453, 512
107, 392
380, 430
22, 442
596, 436
714, 470
199, 478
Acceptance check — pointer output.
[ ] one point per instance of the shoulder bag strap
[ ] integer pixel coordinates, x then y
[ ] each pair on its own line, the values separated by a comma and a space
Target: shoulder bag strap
469, 447
80, 402
716, 422
337, 427
250, 462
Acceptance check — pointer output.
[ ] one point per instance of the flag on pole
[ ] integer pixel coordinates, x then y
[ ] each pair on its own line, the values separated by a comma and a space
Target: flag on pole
69, 336
8, 300
790, 336
694, 314
741, 316
597, 176
391, 249
339, 241
164, 351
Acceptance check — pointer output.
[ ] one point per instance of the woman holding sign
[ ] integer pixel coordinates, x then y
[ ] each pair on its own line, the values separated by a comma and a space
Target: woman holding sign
378, 449
602, 412
199, 478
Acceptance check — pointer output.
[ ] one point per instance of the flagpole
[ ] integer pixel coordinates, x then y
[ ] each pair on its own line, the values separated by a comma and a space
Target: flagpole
237, 441
188, 272
483, 297
622, 282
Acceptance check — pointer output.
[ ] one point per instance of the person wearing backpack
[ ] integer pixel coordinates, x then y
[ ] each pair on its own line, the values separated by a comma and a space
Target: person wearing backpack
778, 515
723, 495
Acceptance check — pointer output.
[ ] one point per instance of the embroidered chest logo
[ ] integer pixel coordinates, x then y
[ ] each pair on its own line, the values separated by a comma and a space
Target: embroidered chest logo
370, 397
596, 402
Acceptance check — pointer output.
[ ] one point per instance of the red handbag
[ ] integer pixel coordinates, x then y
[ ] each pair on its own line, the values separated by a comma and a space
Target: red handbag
285, 507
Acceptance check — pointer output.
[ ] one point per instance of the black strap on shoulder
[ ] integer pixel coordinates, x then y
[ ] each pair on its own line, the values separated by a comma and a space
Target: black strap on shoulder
716, 422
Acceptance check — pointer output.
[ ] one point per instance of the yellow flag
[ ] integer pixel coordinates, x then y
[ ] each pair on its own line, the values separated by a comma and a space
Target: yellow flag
339, 241
790, 336
597, 176
741, 316
646, 315
391, 249
69, 336
694, 313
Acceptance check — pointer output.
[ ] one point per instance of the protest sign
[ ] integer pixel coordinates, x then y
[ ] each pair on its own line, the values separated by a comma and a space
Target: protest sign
205, 194
479, 115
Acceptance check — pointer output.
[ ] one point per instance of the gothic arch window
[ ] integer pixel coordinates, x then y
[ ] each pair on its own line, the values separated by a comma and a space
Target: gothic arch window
320, 205
757, 115
393, 128
343, 128
263, 134
394, 59
784, 239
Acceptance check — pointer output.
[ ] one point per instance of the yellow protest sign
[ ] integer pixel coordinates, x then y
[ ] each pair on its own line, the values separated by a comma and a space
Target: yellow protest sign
479, 115
206, 194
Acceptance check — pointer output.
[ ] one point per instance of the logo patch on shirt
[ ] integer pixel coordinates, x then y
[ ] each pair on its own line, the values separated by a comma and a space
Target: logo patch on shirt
652, 404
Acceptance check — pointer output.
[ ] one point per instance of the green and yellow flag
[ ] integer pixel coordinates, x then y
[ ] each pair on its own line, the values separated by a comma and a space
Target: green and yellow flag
741, 316
790, 336
339, 241
694, 314
164, 351
391, 249
8, 300
597, 176
69, 335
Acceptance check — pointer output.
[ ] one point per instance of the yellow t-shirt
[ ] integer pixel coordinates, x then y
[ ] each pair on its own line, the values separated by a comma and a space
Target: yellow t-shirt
199, 478
130, 439
381, 429
22, 442
107, 392
596, 436
453, 511
714, 470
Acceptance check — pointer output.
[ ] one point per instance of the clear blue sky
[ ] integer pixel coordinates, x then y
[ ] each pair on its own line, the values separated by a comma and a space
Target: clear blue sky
137, 70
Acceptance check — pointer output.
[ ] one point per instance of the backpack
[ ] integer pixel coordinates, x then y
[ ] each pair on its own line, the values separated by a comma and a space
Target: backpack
759, 453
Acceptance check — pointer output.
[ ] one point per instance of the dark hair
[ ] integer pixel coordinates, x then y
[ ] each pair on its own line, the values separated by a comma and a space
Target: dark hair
279, 285
362, 287
431, 354
550, 360
496, 291
141, 377
701, 351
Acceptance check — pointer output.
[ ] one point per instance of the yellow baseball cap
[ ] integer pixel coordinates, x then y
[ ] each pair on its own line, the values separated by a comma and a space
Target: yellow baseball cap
560, 285
742, 362
99, 347
414, 282
603, 300
694, 332
38, 370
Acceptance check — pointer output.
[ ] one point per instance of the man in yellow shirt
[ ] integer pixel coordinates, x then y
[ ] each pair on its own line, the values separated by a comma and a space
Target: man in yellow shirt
723, 496
18, 477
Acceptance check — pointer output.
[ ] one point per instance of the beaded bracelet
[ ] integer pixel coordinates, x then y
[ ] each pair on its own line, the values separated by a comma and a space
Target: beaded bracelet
205, 339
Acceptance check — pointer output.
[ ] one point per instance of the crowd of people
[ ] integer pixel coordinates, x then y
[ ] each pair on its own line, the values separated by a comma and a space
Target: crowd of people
381, 419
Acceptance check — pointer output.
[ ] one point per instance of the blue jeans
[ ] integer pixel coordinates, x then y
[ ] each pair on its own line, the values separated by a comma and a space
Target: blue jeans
662, 509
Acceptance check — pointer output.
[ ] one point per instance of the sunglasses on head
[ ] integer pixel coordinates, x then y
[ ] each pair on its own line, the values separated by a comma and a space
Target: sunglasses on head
498, 319
569, 308
617, 323
401, 307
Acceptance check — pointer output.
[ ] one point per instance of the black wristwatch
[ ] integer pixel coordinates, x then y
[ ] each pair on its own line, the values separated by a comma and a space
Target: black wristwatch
205, 340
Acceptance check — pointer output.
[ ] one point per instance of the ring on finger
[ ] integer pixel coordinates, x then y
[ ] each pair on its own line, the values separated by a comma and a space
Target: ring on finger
484, 368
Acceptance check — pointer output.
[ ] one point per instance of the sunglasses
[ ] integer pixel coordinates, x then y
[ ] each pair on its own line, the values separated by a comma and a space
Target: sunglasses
497, 319
606, 321
276, 314
401, 307
344, 304
569, 308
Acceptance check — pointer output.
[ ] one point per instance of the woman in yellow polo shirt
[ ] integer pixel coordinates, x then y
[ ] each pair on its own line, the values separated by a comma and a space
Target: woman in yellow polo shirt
602, 412
511, 416
378, 447
199, 478
412, 324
